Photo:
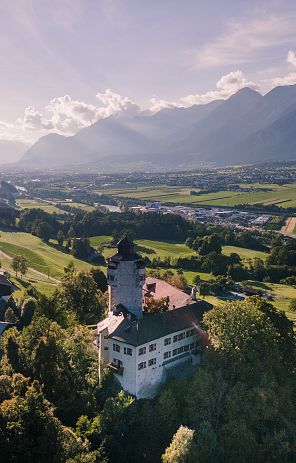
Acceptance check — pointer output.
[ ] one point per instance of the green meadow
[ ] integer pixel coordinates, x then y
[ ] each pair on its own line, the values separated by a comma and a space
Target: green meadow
245, 254
36, 204
43, 257
83, 207
48, 259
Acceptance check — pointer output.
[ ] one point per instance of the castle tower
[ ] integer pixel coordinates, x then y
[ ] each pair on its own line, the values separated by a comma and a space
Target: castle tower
126, 277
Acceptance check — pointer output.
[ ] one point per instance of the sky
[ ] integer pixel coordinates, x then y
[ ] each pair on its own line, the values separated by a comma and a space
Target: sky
67, 63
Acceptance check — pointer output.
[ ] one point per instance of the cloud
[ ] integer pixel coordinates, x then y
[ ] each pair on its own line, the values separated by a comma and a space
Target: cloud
226, 86
289, 79
156, 104
34, 120
291, 57
67, 116
244, 39
115, 103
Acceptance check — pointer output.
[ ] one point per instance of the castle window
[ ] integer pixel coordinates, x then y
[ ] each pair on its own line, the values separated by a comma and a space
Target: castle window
152, 347
151, 362
128, 351
142, 350
117, 363
105, 348
186, 348
142, 365
116, 347
167, 341
180, 350
175, 338
167, 355
175, 351
181, 336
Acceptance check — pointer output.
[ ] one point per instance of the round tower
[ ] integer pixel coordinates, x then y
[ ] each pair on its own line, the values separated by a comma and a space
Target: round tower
126, 277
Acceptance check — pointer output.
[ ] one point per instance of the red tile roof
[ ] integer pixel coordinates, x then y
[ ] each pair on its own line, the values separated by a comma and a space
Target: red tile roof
159, 288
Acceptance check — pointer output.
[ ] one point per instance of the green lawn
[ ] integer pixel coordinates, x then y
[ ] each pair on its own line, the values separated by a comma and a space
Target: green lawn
41, 256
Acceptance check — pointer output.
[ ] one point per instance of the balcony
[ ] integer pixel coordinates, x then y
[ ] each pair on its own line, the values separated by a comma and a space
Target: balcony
115, 368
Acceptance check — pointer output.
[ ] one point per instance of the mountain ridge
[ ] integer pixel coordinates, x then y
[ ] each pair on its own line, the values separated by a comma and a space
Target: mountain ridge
217, 132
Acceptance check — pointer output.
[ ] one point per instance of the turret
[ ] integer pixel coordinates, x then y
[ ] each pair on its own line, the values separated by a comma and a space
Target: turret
126, 277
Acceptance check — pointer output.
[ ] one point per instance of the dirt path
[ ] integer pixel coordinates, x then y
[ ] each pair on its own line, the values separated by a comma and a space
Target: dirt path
33, 270
288, 228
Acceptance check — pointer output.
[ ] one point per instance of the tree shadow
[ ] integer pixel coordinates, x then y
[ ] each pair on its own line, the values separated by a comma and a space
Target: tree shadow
144, 250
259, 284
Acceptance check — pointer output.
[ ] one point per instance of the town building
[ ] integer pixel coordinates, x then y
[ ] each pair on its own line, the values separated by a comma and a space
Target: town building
141, 348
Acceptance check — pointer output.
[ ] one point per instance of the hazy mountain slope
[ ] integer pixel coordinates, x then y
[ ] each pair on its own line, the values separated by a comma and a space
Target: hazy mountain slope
194, 137
51, 150
271, 107
11, 151
240, 129
135, 137
275, 142
105, 138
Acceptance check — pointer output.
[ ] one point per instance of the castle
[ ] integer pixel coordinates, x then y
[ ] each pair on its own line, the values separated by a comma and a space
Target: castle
143, 349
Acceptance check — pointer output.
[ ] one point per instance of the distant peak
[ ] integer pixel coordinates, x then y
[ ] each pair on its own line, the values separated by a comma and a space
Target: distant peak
282, 89
247, 91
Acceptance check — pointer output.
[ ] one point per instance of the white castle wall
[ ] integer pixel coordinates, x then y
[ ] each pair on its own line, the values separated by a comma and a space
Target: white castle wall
125, 286
145, 383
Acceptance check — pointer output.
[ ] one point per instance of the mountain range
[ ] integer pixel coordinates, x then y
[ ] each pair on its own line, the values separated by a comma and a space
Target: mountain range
245, 128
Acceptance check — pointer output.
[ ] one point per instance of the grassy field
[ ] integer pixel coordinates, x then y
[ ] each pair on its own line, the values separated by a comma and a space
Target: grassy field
147, 248
47, 258
245, 254
282, 295
35, 204
97, 241
45, 288
41, 256
282, 195
172, 249
83, 207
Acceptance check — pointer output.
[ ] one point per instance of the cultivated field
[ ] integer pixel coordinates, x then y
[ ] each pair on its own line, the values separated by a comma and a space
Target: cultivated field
281, 195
